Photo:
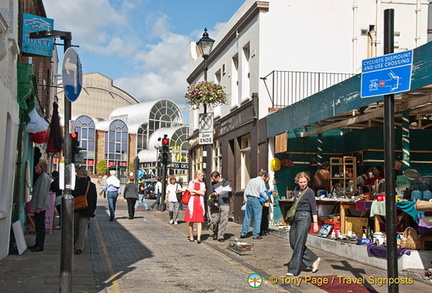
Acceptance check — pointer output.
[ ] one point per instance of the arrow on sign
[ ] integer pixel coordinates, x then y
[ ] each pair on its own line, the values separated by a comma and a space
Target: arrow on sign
71, 69
393, 82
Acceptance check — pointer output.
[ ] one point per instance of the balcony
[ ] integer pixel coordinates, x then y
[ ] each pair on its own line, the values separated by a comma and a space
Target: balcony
288, 87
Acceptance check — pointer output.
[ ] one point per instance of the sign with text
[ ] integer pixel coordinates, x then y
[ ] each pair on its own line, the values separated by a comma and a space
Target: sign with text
388, 74
205, 128
34, 23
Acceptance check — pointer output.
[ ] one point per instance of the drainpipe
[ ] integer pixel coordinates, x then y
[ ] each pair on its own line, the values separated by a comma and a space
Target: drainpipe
418, 14
354, 38
377, 29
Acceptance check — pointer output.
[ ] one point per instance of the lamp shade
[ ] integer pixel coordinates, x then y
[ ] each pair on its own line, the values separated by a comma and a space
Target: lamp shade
205, 44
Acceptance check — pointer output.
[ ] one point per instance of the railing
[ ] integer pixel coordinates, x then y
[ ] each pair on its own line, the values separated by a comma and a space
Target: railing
289, 87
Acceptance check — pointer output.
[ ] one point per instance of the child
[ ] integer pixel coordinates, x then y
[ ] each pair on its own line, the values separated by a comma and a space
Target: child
172, 190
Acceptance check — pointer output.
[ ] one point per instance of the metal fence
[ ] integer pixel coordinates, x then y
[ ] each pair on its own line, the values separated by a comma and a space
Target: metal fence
288, 87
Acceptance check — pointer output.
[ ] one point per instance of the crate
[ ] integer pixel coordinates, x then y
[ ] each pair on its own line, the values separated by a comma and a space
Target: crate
240, 247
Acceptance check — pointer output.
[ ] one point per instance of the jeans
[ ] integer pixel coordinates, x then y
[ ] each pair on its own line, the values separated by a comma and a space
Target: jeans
297, 237
253, 208
112, 200
141, 198
157, 201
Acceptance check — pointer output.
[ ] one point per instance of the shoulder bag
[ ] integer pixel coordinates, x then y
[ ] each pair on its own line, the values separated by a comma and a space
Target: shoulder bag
185, 197
80, 202
289, 217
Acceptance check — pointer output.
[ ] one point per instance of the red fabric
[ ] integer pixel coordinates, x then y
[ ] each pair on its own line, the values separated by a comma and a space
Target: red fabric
39, 137
195, 210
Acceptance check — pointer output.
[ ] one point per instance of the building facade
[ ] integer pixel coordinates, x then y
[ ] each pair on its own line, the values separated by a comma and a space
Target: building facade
275, 53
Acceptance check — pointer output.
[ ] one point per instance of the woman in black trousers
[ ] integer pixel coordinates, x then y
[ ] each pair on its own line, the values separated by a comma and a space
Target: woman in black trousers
305, 214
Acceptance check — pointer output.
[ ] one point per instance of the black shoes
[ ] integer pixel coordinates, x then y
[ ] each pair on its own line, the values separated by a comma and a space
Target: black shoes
199, 241
36, 249
221, 240
111, 218
78, 251
243, 236
33, 247
214, 237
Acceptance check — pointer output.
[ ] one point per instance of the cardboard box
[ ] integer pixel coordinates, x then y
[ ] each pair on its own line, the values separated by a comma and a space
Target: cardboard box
355, 224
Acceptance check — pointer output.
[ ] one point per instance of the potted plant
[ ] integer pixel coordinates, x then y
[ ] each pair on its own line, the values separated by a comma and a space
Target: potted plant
206, 93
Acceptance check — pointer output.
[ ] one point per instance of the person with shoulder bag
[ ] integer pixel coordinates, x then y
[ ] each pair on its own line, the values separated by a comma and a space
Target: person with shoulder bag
173, 189
305, 213
220, 193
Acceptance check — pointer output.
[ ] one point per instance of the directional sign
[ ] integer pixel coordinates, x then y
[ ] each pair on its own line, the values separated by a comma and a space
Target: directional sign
205, 121
72, 74
388, 74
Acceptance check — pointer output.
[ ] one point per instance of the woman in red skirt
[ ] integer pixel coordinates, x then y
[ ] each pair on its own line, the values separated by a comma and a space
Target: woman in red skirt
195, 209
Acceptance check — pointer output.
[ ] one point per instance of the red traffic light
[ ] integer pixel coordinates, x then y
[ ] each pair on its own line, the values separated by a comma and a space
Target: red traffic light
74, 134
165, 141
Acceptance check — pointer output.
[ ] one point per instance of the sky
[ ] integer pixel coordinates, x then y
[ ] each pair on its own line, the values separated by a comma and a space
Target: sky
143, 45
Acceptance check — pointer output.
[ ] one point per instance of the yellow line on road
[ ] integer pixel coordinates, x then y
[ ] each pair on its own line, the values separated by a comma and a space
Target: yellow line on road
115, 283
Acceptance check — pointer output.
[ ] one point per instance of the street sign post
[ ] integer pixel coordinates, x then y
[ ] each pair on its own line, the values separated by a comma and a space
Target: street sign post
205, 128
72, 74
388, 74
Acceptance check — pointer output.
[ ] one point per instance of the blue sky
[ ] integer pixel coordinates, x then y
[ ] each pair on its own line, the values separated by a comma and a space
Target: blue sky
142, 45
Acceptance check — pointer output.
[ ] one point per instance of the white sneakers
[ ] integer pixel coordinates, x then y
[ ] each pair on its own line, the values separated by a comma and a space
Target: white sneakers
171, 221
175, 223
315, 265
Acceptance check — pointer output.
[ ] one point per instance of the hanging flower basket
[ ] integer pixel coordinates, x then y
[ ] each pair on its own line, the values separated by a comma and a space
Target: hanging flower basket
206, 92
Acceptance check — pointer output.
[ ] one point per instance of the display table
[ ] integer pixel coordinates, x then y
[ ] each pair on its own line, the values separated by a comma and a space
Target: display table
338, 205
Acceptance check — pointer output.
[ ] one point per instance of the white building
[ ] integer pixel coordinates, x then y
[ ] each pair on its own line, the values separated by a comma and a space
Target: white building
9, 115
274, 53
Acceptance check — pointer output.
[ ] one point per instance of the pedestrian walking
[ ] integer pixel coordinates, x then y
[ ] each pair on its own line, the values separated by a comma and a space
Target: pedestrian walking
131, 195
141, 196
40, 203
306, 213
158, 192
82, 217
195, 209
220, 193
171, 199
254, 189
180, 182
111, 191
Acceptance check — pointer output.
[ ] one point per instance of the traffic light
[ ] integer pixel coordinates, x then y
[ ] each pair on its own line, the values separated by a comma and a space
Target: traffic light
165, 151
74, 145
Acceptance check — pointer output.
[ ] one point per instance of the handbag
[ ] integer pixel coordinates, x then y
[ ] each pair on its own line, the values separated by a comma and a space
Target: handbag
410, 239
185, 197
289, 217
80, 202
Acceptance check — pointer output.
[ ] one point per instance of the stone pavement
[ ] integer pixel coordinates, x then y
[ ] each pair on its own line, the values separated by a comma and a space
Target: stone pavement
39, 272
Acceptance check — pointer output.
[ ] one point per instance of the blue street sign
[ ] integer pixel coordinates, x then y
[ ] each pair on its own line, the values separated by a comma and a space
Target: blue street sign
388, 74
72, 74
34, 23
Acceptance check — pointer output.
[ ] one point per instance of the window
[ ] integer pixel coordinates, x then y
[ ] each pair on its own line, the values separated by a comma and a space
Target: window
85, 127
245, 153
142, 137
217, 156
116, 144
197, 161
234, 81
245, 73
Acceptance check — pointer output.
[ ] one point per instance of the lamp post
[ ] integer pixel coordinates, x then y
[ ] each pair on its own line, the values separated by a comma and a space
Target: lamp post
206, 44
67, 228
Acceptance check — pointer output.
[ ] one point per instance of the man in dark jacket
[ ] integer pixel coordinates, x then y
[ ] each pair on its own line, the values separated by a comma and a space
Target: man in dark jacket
220, 193
82, 217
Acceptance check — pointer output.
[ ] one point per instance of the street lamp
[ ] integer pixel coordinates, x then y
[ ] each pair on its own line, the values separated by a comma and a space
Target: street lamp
206, 45
67, 199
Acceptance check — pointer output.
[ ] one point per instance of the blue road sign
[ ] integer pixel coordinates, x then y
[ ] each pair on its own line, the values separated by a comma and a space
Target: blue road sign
388, 74
72, 74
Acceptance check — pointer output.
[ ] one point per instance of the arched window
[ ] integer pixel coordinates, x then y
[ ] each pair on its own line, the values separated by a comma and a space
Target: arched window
85, 127
142, 137
164, 114
116, 144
